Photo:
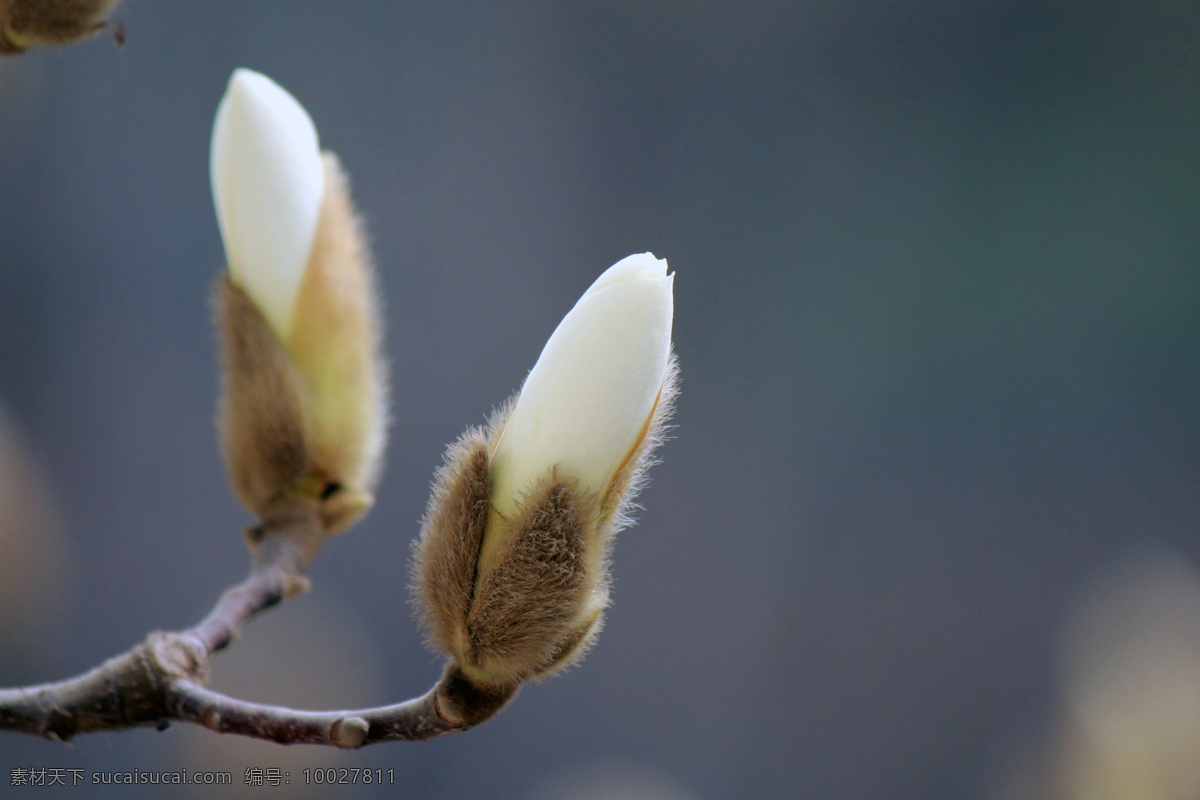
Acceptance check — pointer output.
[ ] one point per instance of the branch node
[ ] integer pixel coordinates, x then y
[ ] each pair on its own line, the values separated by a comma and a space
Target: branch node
177, 655
255, 535
462, 703
59, 727
162, 678
212, 719
296, 586
349, 732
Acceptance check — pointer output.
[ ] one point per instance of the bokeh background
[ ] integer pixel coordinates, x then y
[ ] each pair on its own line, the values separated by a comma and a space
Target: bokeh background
929, 525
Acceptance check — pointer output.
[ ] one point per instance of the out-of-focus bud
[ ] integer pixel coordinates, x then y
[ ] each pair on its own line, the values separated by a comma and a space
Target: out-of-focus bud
1130, 664
35, 557
304, 398
26, 23
511, 571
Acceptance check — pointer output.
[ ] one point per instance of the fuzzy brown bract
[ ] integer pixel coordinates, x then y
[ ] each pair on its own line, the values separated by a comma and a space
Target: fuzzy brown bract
524, 606
618, 501
25, 23
536, 603
519, 618
306, 417
446, 557
335, 343
261, 415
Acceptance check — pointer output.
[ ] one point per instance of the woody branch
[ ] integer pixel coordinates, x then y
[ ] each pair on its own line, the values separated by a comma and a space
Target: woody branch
162, 679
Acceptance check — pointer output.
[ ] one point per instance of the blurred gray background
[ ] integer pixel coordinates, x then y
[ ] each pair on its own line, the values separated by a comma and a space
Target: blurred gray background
937, 310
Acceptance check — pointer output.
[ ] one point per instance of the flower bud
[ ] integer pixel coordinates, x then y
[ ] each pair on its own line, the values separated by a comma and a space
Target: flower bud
25, 23
304, 400
512, 568
587, 401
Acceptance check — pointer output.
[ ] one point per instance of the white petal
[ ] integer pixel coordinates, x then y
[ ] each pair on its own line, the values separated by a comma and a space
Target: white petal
641, 265
268, 183
586, 402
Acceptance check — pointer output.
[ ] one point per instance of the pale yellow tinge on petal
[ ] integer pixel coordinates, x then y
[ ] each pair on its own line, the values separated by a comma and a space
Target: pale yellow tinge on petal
334, 342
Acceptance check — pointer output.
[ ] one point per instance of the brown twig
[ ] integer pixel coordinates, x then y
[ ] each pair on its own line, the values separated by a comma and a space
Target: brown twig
162, 679
453, 705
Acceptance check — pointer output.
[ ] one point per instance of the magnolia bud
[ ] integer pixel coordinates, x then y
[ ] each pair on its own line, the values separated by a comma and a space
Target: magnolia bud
25, 23
304, 401
588, 399
512, 566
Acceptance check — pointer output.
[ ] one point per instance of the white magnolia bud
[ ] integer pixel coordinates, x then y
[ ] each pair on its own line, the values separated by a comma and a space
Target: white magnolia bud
304, 407
512, 565
586, 404
268, 183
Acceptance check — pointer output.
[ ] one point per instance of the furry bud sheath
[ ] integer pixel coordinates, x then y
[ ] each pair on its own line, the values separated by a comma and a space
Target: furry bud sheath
26, 23
303, 406
511, 570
